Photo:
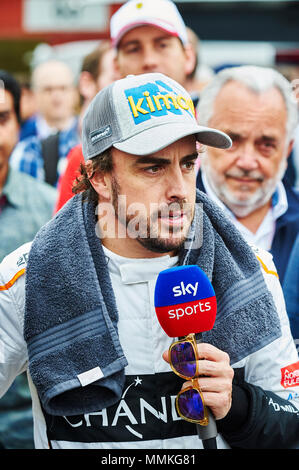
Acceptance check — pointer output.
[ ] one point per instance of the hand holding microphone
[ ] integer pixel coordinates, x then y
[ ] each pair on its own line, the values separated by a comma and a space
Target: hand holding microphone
213, 377
186, 306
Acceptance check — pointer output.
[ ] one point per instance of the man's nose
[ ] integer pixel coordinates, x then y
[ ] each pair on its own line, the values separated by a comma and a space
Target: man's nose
150, 59
2, 135
247, 158
176, 186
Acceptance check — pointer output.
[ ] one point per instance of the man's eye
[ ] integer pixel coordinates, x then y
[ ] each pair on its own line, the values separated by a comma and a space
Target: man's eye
4, 117
152, 169
131, 50
189, 165
235, 142
268, 145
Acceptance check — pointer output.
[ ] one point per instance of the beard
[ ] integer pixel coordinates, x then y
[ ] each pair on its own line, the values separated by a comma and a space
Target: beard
152, 231
243, 203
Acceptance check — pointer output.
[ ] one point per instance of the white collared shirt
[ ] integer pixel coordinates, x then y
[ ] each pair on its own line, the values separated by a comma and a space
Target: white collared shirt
264, 235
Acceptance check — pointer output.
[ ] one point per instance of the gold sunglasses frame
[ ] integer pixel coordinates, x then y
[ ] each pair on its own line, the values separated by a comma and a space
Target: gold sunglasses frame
205, 420
192, 340
186, 339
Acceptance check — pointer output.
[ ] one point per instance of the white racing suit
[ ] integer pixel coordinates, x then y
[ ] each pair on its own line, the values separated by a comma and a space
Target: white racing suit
265, 403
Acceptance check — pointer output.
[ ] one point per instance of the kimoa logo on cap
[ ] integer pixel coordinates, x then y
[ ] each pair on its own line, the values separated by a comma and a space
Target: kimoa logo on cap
156, 100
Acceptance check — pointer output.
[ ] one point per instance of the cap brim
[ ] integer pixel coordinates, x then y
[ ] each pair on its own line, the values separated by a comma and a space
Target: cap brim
154, 139
145, 22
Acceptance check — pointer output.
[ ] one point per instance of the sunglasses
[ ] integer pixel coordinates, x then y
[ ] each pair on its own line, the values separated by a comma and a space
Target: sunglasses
183, 359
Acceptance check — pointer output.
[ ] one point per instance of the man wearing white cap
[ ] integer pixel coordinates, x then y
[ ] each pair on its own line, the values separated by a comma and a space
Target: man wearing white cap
84, 322
150, 36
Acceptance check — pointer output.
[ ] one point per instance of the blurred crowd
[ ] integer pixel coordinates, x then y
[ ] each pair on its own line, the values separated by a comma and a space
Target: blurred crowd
41, 153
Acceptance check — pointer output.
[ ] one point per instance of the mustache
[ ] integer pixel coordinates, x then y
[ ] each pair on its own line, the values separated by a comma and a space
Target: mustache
173, 208
250, 174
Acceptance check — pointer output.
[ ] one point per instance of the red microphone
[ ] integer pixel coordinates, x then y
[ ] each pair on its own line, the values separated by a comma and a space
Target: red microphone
185, 303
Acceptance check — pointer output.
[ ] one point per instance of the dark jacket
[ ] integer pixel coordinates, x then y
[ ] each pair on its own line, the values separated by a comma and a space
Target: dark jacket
287, 228
291, 289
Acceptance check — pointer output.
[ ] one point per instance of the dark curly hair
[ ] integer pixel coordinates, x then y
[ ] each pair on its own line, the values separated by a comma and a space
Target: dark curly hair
100, 163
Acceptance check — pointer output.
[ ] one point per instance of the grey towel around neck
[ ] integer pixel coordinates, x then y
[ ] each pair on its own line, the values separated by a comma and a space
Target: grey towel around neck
75, 359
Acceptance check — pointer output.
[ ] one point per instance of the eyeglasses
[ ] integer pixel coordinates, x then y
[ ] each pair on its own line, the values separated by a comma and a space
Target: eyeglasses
183, 359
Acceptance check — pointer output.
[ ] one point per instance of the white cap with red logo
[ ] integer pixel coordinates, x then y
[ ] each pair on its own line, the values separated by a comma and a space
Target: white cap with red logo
160, 13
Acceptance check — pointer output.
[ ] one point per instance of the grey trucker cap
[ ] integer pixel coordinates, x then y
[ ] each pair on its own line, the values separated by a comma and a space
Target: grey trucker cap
142, 114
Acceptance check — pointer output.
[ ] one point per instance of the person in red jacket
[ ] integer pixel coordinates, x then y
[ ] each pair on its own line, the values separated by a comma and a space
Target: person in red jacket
97, 71
65, 184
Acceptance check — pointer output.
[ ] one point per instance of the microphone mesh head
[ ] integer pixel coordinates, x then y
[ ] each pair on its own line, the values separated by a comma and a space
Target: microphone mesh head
185, 301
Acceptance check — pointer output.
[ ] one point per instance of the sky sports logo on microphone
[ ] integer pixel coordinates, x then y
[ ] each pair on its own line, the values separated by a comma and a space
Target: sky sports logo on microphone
191, 307
185, 301
182, 290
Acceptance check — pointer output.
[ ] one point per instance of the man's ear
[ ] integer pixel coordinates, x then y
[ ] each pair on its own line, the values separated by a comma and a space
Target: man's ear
190, 59
87, 86
116, 67
100, 182
290, 147
117, 74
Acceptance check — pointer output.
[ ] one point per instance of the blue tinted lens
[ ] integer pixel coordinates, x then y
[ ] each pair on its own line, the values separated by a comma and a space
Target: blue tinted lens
183, 359
190, 405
